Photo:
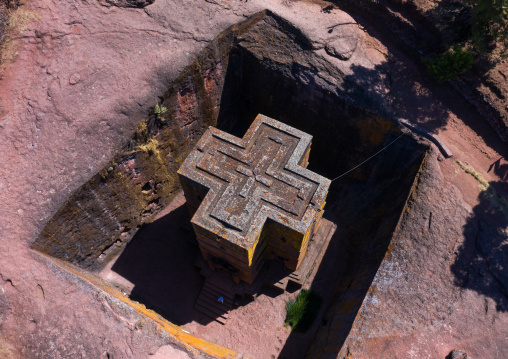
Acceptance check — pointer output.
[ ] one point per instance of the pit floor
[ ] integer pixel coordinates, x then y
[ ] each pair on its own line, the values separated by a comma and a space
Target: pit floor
157, 269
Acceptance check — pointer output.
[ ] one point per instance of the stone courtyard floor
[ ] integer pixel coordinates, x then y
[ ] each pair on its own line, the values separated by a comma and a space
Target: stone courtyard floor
157, 269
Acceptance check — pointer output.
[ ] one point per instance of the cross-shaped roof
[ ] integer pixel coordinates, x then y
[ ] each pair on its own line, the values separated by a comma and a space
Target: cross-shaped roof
253, 178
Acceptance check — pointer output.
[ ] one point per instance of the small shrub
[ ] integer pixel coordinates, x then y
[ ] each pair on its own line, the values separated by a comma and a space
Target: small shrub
295, 308
159, 110
301, 311
449, 65
489, 24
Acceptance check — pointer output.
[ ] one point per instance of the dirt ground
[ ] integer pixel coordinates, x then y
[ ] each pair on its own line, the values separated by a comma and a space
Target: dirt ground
255, 329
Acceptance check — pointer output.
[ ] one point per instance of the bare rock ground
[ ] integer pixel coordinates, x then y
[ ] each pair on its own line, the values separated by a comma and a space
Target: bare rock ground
418, 307
82, 74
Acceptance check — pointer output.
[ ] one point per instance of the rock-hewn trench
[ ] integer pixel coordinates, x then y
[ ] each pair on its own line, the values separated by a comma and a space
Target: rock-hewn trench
262, 65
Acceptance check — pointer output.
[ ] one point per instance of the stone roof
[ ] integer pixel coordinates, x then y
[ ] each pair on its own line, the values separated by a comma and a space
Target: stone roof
253, 178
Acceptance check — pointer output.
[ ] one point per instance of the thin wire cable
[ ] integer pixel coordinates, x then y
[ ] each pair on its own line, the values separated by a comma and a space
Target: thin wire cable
374, 155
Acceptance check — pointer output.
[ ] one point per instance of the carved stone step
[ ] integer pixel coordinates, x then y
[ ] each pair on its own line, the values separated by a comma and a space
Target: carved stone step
208, 301
214, 298
204, 309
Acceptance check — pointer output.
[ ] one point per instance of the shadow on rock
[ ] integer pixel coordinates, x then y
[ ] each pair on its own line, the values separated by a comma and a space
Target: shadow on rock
406, 92
159, 261
482, 261
500, 169
164, 263
395, 85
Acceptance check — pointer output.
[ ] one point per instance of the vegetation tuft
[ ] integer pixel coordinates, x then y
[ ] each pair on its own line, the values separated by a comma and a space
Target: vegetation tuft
489, 31
303, 310
449, 65
159, 111
495, 198
151, 147
489, 24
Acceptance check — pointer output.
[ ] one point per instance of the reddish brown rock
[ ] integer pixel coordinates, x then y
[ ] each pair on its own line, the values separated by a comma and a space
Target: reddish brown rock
458, 354
56, 135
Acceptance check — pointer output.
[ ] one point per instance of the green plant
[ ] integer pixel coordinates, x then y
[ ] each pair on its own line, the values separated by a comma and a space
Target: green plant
301, 311
489, 23
295, 308
159, 110
449, 65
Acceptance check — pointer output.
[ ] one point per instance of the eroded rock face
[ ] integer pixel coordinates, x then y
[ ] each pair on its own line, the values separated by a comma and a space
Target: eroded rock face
418, 290
480, 264
106, 212
428, 27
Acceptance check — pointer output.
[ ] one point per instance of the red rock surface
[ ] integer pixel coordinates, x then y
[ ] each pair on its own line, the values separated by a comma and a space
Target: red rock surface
85, 74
